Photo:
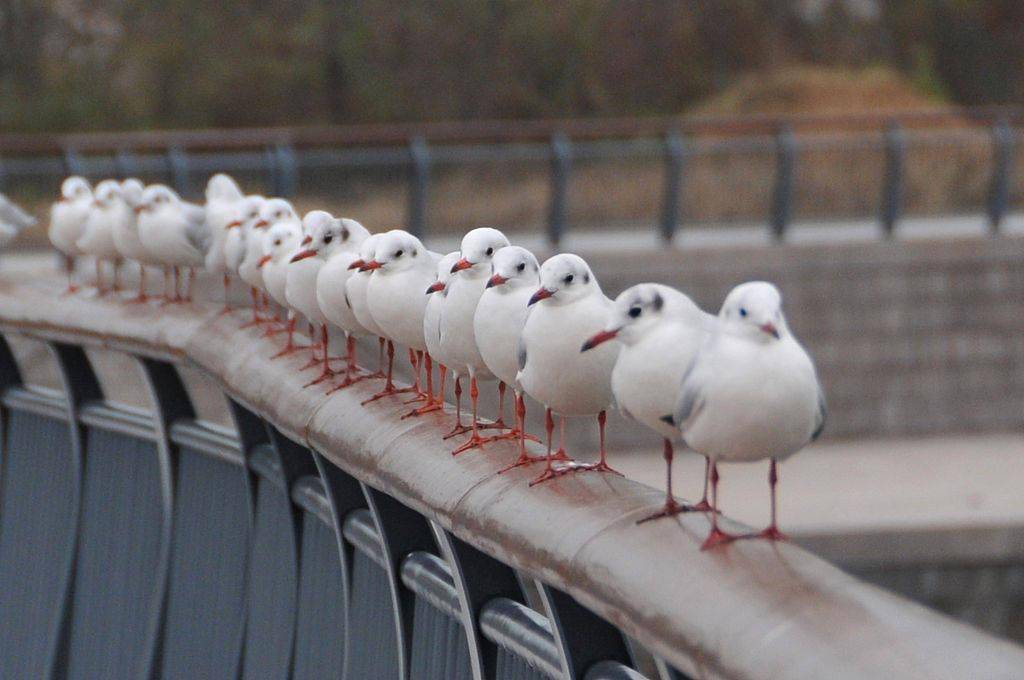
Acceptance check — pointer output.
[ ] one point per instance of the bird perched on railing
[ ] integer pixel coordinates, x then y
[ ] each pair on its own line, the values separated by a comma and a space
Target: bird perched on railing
436, 293
67, 220
126, 234
237, 239
175, 234
569, 308
751, 393
281, 242
660, 330
498, 322
12, 220
97, 239
469, 280
355, 294
225, 204
249, 267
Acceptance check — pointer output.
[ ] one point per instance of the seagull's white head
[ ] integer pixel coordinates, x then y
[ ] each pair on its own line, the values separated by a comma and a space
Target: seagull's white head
223, 187
397, 250
131, 191
249, 211
366, 253
565, 278
280, 242
329, 235
640, 309
478, 248
276, 210
513, 266
157, 197
754, 309
444, 273
75, 188
107, 193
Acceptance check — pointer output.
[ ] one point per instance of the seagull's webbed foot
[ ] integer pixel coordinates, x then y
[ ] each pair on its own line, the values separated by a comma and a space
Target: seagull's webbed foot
601, 467
771, 533
717, 537
388, 391
457, 430
523, 460
670, 509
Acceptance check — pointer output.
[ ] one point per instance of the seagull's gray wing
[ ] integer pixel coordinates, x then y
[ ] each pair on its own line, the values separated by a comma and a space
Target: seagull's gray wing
821, 416
12, 214
197, 232
521, 352
689, 400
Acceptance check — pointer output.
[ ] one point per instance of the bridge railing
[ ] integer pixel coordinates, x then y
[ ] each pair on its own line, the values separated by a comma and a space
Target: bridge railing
761, 169
174, 504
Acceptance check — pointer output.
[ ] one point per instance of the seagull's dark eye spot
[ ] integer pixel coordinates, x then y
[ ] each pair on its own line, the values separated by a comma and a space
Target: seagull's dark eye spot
743, 311
398, 253
521, 266
586, 278
568, 279
634, 312
328, 237
344, 234
490, 251
413, 253
277, 242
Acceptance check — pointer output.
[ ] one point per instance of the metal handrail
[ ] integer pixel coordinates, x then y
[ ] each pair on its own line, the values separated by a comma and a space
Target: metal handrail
753, 610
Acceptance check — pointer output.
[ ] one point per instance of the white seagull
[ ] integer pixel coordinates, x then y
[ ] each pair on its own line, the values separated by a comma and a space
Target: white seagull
67, 220
402, 269
355, 294
457, 336
498, 323
175, 234
660, 330
281, 242
225, 203
250, 241
97, 237
126, 233
569, 308
436, 293
751, 393
300, 287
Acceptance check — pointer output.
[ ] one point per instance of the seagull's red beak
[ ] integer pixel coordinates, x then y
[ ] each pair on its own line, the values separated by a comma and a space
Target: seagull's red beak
496, 280
541, 294
599, 339
306, 240
139, 209
357, 264
234, 225
770, 329
370, 266
435, 287
460, 265
262, 224
263, 260
303, 254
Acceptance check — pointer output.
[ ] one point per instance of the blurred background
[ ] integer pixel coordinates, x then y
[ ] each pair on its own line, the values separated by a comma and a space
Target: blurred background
865, 155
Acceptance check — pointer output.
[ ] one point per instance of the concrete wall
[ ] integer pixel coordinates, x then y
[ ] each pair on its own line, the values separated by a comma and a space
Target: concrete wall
910, 337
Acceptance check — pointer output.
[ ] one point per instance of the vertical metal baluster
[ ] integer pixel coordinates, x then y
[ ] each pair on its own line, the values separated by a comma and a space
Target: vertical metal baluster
345, 494
1002, 160
561, 169
172, 403
892, 189
177, 161
402, 531
583, 638
80, 387
287, 163
73, 162
477, 578
272, 170
782, 194
419, 186
126, 163
675, 163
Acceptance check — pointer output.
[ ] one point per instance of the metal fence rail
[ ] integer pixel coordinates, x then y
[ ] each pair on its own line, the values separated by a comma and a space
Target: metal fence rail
305, 536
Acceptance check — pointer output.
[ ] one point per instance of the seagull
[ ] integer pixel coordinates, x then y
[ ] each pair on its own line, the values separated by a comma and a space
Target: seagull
568, 309
126, 233
281, 242
402, 268
355, 294
300, 286
225, 203
436, 293
471, 273
67, 220
252, 230
12, 220
175, 234
751, 393
97, 237
337, 245
660, 330
273, 212
498, 321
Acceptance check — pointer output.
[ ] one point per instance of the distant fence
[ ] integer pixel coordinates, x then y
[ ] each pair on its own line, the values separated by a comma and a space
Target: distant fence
664, 172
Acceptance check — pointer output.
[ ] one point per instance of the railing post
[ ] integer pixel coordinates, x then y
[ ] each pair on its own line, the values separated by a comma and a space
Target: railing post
287, 170
892, 188
73, 162
782, 195
675, 162
125, 163
3, 175
177, 160
561, 167
999, 189
419, 186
